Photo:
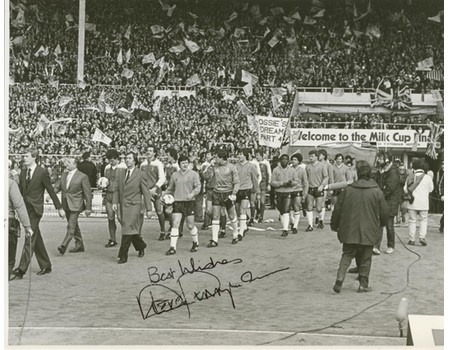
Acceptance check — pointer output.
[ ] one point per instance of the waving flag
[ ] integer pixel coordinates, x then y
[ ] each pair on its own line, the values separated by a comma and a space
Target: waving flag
249, 77
127, 73
177, 49
192, 46
193, 80
243, 108
99, 136
128, 55
433, 141
150, 58
248, 90
64, 100
120, 57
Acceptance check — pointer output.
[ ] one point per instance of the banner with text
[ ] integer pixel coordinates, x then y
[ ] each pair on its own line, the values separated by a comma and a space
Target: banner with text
359, 137
271, 130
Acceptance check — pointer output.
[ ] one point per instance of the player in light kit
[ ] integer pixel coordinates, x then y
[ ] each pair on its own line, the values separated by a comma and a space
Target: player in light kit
154, 173
284, 181
184, 184
264, 185
323, 158
317, 179
299, 191
248, 184
342, 178
224, 194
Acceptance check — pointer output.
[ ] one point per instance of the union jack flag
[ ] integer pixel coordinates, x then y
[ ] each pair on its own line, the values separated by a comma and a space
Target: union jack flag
433, 141
392, 98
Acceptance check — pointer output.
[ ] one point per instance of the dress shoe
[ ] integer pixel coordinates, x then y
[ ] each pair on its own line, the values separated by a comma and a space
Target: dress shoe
337, 286
61, 249
77, 250
122, 261
141, 253
362, 289
17, 274
376, 251
111, 244
353, 270
44, 271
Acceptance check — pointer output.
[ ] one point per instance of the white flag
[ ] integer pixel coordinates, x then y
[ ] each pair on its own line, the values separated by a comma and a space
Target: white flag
58, 50
128, 55
127, 73
243, 108
128, 33
99, 136
272, 42
81, 84
248, 90
193, 80
192, 46
209, 49
437, 18
277, 102
136, 104
150, 58
124, 111
320, 13
309, 20
40, 51
426, 64
249, 78
296, 16
120, 57
177, 49
64, 100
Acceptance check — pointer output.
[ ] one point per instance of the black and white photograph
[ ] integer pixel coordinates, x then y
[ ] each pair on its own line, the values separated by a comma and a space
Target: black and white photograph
224, 173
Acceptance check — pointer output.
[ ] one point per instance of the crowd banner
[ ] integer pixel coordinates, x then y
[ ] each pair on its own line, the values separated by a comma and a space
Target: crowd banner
271, 130
379, 138
99, 136
426, 64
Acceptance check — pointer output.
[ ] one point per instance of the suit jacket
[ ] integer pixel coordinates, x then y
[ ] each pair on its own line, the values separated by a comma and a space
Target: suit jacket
78, 196
33, 192
129, 195
90, 170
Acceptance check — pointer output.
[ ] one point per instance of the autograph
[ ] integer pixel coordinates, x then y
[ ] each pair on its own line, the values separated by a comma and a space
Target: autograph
156, 298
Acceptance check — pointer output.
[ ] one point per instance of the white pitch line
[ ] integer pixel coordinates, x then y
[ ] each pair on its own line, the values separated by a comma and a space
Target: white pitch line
197, 330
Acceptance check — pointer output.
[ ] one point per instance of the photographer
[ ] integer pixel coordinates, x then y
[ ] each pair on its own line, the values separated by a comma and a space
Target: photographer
419, 185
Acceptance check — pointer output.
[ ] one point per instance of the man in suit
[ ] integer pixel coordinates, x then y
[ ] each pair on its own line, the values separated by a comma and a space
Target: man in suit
130, 185
87, 167
33, 181
76, 197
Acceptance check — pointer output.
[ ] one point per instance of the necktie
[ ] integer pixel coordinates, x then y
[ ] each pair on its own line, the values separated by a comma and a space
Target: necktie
68, 180
29, 175
128, 176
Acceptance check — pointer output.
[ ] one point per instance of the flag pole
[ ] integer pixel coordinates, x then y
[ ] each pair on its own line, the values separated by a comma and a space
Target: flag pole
81, 37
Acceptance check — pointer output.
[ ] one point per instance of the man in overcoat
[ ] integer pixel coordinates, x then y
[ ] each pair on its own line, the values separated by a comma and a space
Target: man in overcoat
359, 213
130, 187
